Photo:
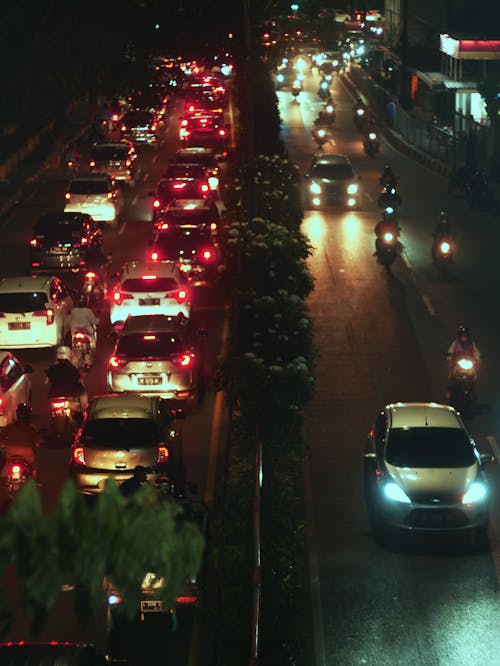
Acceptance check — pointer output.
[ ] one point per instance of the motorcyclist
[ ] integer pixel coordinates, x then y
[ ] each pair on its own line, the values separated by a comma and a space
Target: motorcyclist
442, 231
359, 105
383, 227
65, 379
370, 140
20, 439
72, 155
130, 486
389, 197
463, 345
82, 318
388, 177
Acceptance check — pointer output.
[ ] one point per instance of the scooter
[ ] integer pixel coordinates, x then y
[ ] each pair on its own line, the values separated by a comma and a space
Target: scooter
321, 135
296, 88
93, 288
83, 346
324, 90
443, 252
462, 385
389, 198
18, 472
360, 118
371, 144
387, 247
62, 423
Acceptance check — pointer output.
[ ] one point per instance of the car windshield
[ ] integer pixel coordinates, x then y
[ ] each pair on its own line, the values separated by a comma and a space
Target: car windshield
138, 119
30, 301
149, 285
89, 187
120, 433
144, 345
109, 153
332, 171
178, 240
429, 447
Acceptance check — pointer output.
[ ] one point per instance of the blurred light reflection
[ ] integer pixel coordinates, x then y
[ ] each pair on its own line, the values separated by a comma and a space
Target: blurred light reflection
352, 233
314, 227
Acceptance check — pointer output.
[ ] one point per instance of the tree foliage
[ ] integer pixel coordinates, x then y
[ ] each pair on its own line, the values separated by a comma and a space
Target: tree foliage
111, 544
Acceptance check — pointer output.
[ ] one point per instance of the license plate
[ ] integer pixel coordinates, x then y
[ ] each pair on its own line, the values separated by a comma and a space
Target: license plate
153, 606
149, 301
58, 250
149, 381
19, 325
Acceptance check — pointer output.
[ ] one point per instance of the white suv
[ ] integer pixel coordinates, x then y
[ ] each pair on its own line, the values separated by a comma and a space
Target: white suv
97, 195
33, 311
156, 287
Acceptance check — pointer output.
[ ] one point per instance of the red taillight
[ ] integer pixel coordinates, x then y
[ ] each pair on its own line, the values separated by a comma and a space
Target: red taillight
59, 404
213, 226
222, 132
119, 297
191, 109
156, 203
162, 455
35, 264
154, 256
90, 275
111, 195
34, 242
207, 254
115, 117
184, 123
178, 186
92, 163
67, 196
124, 127
84, 240
204, 187
181, 295
78, 455
153, 127
15, 472
80, 336
184, 360
49, 314
186, 600
115, 362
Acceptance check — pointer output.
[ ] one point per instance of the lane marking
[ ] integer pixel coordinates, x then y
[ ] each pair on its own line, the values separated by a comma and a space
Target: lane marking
155, 157
428, 305
146, 176
122, 228
134, 200
406, 261
369, 197
314, 584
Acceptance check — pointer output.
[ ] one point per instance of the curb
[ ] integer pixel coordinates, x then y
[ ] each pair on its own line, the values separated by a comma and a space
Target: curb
396, 140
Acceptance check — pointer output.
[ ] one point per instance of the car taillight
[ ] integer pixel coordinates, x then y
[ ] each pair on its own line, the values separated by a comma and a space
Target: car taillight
153, 127
92, 163
48, 313
90, 275
115, 362
59, 404
154, 256
15, 472
84, 240
115, 117
67, 196
119, 297
156, 203
204, 187
163, 226
124, 128
191, 109
128, 163
162, 455
181, 295
34, 242
207, 254
178, 186
110, 195
184, 360
213, 226
222, 132
184, 123
78, 455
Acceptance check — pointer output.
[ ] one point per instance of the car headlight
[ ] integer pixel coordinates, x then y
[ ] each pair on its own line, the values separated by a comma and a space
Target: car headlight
395, 493
352, 188
314, 188
280, 78
477, 493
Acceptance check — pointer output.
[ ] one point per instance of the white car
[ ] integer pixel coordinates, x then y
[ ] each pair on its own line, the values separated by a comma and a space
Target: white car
33, 311
423, 472
96, 194
340, 16
374, 15
15, 386
150, 287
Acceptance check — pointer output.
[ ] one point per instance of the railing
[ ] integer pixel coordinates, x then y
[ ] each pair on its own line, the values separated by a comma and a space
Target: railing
257, 572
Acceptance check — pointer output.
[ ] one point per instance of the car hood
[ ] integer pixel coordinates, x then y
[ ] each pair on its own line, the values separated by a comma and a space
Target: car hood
431, 480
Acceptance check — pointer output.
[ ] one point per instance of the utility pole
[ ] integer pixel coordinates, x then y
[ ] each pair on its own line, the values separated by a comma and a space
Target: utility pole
404, 82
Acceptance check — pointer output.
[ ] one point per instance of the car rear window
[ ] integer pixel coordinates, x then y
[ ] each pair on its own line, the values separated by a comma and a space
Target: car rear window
177, 240
30, 301
185, 171
144, 345
429, 447
150, 285
89, 187
333, 171
194, 216
120, 433
138, 119
108, 153
206, 159
63, 230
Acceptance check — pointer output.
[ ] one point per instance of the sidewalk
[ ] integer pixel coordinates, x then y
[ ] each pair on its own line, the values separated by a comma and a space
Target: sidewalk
46, 157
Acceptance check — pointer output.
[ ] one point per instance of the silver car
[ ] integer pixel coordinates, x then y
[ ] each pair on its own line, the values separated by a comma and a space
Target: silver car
120, 432
423, 472
154, 355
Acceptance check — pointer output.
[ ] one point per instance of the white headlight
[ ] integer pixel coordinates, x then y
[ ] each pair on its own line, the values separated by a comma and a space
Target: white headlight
280, 78
314, 188
465, 364
393, 492
477, 493
352, 188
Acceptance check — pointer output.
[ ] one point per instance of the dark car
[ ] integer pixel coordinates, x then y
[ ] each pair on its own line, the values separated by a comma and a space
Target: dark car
331, 180
141, 128
190, 214
194, 250
181, 181
204, 130
23, 653
151, 99
63, 241
117, 159
203, 155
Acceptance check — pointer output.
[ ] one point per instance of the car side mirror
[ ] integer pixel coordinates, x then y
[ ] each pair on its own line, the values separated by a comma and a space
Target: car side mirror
486, 459
28, 368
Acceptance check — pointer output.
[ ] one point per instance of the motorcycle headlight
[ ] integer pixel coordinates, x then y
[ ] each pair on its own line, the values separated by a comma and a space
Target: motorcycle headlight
321, 132
395, 493
315, 188
388, 237
352, 188
372, 136
280, 78
477, 492
465, 364
389, 210
444, 247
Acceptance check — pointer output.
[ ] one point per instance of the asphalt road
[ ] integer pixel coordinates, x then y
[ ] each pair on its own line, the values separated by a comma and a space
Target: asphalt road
202, 423
381, 339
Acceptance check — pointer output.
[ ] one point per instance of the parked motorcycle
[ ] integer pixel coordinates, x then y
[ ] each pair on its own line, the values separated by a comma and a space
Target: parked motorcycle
371, 144
462, 383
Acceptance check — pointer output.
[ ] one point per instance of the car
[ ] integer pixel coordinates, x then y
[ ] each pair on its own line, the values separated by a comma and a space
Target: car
96, 194
203, 130
180, 181
61, 241
194, 250
15, 386
190, 213
374, 15
149, 287
340, 16
423, 472
152, 99
205, 157
120, 432
156, 355
33, 311
119, 160
141, 128
331, 180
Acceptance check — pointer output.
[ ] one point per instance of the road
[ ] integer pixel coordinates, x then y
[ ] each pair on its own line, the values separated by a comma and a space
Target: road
380, 339
129, 241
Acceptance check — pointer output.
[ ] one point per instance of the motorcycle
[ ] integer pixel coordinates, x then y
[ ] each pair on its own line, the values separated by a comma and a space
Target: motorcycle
321, 135
324, 90
328, 114
371, 144
390, 214
93, 289
462, 383
360, 118
389, 198
296, 88
62, 419
443, 252
18, 472
387, 247
83, 346
388, 179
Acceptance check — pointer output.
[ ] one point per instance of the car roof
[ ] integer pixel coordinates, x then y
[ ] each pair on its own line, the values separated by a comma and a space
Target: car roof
422, 415
159, 268
90, 176
114, 145
195, 150
25, 283
62, 218
157, 323
330, 158
127, 405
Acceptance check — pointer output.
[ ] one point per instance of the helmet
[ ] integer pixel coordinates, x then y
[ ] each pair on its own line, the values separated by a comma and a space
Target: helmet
82, 301
443, 215
387, 168
464, 332
23, 412
63, 354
